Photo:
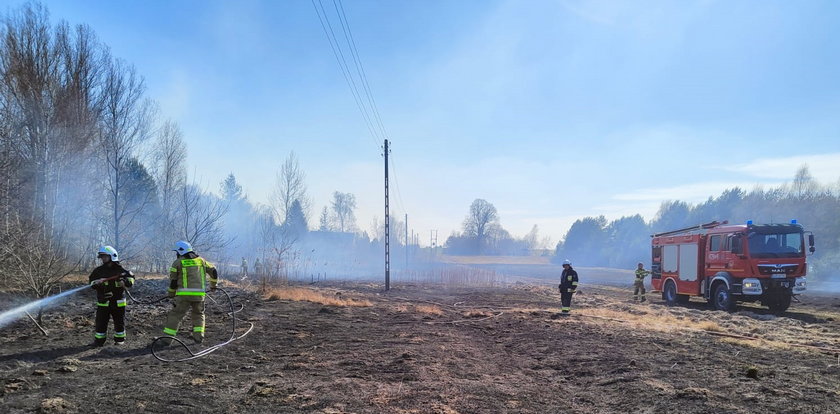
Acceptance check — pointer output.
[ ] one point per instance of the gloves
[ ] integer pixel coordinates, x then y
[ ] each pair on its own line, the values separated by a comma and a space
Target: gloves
97, 281
170, 293
213, 288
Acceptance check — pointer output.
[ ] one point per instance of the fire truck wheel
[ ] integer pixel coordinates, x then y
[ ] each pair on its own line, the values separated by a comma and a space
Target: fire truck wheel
779, 303
722, 299
669, 294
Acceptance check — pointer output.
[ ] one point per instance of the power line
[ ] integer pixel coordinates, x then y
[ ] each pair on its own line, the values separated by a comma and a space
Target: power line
397, 184
351, 42
345, 70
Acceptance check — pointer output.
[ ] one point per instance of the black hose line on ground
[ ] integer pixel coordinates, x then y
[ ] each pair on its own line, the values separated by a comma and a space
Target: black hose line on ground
206, 351
143, 302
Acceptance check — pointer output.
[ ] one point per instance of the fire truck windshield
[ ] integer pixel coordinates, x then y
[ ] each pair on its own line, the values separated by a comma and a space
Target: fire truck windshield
776, 245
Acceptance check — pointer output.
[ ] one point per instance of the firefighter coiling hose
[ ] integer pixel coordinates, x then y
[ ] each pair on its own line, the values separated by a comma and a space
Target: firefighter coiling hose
209, 350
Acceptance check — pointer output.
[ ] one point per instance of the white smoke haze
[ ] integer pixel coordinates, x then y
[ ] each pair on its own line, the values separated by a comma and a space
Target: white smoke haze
495, 116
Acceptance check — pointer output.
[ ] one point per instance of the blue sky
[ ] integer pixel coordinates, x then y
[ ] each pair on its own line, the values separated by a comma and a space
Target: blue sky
550, 110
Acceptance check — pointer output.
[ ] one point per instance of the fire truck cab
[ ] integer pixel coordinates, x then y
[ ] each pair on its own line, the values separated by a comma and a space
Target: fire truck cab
726, 263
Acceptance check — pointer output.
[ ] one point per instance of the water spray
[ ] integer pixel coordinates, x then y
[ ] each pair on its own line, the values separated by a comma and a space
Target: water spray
11, 315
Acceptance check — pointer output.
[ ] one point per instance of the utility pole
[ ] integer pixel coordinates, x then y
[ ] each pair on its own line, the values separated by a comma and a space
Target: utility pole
387, 227
406, 241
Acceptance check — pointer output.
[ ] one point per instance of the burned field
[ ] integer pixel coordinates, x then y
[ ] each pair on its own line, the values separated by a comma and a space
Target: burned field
349, 348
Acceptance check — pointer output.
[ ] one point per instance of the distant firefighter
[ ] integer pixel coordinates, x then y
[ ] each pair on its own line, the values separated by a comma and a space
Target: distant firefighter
243, 270
639, 284
188, 279
568, 286
110, 295
258, 268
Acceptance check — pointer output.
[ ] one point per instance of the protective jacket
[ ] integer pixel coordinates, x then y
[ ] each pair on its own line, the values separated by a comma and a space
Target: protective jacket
110, 300
189, 275
640, 275
568, 280
112, 289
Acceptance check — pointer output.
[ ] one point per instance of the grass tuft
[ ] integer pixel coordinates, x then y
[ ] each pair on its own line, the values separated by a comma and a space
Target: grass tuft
430, 309
310, 295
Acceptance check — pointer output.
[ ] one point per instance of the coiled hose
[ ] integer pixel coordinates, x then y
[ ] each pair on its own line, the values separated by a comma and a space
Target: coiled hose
206, 351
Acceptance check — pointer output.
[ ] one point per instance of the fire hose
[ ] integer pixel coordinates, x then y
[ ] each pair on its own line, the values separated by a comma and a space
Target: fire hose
209, 350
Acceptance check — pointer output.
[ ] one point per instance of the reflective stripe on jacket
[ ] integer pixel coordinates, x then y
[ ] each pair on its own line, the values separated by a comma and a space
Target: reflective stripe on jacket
641, 273
188, 275
568, 280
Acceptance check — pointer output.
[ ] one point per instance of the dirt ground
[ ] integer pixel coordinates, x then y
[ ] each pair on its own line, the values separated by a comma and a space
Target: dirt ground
433, 349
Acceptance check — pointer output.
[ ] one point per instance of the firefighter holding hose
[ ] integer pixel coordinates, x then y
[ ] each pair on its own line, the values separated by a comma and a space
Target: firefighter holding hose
188, 282
110, 280
639, 284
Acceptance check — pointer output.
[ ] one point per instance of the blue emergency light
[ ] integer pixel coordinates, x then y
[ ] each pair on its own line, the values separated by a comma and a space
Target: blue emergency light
793, 221
749, 222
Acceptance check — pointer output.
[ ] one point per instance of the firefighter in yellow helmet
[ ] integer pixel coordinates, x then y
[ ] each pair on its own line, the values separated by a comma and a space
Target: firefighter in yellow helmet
188, 282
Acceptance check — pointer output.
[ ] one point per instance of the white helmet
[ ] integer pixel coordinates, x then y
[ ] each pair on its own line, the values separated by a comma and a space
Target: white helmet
110, 252
182, 247
567, 262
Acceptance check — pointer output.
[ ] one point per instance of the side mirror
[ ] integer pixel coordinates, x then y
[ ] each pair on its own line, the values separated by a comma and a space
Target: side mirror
811, 241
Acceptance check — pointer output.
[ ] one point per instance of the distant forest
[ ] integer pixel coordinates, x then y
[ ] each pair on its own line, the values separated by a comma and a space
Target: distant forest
593, 241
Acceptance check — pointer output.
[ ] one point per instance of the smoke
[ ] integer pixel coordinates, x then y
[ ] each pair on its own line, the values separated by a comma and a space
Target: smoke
11, 315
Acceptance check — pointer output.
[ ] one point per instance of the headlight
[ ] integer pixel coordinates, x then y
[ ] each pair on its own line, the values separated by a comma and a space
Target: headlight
751, 286
799, 284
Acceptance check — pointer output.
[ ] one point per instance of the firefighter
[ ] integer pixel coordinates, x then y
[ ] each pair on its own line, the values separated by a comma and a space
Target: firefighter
188, 279
110, 280
568, 286
639, 284
244, 268
258, 268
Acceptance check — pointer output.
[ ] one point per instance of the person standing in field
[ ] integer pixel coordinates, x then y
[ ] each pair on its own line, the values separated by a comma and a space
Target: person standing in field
188, 283
110, 280
639, 284
568, 286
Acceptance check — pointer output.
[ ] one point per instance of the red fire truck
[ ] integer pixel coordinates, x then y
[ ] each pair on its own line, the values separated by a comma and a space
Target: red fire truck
726, 263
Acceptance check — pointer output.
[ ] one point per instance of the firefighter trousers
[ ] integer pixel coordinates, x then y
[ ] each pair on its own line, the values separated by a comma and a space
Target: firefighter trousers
566, 301
639, 290
195, 304
105, 311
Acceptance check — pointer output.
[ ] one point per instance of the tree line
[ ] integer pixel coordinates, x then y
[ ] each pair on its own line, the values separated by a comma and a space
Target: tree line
87, 158
594, 241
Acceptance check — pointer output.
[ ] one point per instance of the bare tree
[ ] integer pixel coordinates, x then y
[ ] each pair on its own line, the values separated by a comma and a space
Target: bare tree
125, 124
343, 207
49, 79
532, 239
200, 217
290, 185
803, 185
482, 218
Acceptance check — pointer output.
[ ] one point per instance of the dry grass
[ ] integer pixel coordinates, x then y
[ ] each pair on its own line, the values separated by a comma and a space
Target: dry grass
710, 326
310, 295
429, 309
